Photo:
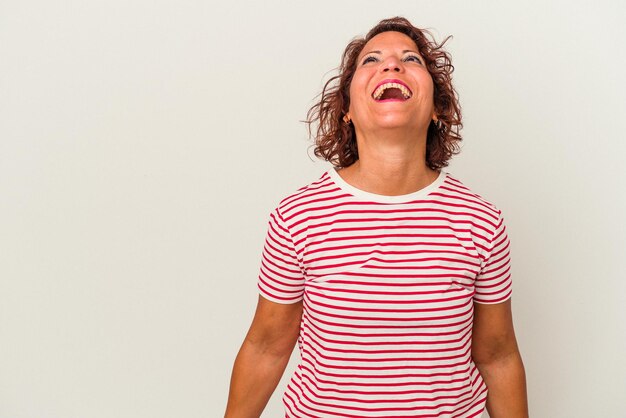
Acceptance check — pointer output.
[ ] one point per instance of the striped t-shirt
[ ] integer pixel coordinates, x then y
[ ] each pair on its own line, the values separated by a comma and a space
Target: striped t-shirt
388, 285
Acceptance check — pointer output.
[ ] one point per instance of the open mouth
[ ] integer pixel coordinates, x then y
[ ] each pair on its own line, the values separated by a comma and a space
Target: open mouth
391, 90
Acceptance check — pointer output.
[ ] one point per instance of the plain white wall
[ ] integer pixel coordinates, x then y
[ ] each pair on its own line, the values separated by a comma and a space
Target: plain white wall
144, 143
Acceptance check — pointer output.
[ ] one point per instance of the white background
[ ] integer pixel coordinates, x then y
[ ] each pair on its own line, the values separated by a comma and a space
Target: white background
144, 143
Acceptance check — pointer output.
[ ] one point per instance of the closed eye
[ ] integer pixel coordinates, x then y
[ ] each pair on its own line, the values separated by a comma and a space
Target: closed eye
366, 60
414, 57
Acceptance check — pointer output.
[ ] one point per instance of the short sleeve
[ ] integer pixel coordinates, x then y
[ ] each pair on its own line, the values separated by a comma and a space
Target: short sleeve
493, 283
280, 278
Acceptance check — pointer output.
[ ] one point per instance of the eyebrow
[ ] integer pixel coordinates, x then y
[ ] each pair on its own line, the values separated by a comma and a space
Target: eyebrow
380, 52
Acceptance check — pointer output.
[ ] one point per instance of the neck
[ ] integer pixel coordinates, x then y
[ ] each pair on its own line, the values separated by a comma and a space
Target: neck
390, 163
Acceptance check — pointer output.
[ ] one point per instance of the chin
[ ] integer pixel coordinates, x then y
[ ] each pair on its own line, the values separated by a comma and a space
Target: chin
396, 123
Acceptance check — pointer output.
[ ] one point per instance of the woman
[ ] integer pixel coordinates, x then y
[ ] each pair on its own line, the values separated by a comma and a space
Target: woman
392, 276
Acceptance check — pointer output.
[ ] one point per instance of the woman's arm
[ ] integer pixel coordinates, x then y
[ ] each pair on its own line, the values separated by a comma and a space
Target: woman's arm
262, 358
495, 353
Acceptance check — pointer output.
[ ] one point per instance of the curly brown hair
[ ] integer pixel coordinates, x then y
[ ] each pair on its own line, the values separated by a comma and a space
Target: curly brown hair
336, 141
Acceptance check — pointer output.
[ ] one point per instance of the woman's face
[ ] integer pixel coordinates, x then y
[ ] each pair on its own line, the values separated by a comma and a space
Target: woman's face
375, 104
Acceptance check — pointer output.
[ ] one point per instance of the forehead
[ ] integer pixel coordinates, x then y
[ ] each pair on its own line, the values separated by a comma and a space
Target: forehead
389, 40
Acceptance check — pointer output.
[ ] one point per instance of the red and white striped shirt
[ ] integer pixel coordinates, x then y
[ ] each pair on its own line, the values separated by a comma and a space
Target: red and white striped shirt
388, 285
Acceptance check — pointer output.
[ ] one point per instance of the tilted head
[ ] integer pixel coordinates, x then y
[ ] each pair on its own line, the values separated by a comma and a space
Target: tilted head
423, 74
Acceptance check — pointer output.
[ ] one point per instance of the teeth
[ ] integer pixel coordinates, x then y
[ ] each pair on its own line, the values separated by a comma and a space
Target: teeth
380, 90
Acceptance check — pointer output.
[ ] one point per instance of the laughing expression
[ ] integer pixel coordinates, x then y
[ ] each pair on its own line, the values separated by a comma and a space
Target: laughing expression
391, 87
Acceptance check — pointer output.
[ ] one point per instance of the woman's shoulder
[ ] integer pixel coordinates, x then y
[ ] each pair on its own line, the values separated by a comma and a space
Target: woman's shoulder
305, 194
475, 195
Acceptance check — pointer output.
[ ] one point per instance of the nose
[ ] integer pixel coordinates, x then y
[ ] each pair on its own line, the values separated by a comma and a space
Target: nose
392, 64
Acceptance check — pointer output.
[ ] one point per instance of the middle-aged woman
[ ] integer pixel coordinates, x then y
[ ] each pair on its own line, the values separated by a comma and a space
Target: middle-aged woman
390, 273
